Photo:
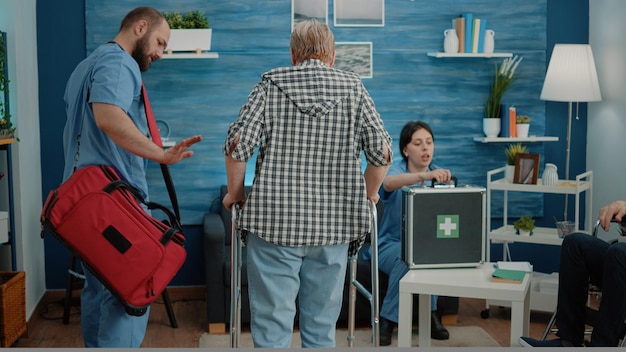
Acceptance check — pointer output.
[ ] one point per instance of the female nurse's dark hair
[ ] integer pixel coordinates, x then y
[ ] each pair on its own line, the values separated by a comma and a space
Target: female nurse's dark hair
407, 134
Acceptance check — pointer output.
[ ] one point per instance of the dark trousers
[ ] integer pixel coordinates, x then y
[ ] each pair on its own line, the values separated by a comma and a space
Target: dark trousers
586, 259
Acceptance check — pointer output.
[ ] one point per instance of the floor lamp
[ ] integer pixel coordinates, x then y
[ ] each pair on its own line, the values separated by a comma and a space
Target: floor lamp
571, 77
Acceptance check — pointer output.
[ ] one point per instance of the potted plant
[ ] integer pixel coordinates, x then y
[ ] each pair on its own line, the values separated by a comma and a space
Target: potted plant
502, 80
7, 130
511, 154
189, 32
524, 225
522, 125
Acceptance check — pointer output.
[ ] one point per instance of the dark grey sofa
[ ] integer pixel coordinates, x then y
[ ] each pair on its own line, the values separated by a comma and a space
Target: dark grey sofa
217, 234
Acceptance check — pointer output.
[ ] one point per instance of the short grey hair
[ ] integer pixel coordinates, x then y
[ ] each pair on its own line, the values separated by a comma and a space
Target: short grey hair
312, 40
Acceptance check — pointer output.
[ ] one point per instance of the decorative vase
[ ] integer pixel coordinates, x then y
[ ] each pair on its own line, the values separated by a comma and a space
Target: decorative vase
550, 177
509, 172
491, 127
450, 41
522, 129
488, 46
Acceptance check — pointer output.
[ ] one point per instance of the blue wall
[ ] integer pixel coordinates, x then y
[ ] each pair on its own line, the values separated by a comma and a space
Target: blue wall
204, 96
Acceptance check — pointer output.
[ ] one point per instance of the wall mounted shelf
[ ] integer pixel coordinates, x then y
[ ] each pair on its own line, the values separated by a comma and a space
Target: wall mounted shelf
472, 55
529, 139
204, 55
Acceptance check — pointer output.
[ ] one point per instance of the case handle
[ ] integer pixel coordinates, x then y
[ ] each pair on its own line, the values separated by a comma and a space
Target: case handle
436, 184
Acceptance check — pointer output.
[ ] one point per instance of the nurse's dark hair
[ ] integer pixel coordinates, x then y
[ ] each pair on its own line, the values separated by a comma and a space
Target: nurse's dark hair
152, 15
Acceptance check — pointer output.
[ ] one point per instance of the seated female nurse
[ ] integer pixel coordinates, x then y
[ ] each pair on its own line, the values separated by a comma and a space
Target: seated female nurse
417, 147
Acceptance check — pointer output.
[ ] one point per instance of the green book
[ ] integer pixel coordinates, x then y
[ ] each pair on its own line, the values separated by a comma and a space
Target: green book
506, 275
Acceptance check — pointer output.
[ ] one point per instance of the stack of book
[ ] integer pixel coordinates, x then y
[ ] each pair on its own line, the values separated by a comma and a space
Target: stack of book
471, 33
508, 115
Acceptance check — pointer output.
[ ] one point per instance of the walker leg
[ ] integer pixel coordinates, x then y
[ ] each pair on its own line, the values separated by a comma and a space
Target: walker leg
352, 301
374, 302
355, 285
235, 283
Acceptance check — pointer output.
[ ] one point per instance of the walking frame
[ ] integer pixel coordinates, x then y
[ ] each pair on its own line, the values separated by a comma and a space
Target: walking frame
235, 284
356, 285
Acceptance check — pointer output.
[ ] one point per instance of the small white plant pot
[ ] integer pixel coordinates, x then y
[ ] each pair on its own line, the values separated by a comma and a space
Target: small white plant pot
522, 129
491, 127
524, 232
197, 40
509, 173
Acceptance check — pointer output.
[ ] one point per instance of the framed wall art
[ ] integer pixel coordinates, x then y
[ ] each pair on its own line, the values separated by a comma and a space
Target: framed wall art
359, 13
302, 10
526, 169
354, 57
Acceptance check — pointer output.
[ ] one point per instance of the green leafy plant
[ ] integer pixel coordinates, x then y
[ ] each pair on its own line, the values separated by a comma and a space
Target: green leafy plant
190, 20
525, 223
522, 119
512, 150
502, 80
6, 126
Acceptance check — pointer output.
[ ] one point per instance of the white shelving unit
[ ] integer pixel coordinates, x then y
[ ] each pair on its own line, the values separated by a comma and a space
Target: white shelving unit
529, 139
440, 55
191, 55
5, 145
541, 235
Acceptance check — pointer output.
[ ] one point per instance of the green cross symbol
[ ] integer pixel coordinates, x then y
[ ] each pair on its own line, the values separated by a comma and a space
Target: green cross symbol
447, 226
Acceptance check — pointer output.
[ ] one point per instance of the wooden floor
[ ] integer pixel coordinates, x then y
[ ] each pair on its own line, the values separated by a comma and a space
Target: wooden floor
45, 328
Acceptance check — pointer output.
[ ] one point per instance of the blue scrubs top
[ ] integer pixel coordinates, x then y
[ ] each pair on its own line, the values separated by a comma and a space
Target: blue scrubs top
109, 75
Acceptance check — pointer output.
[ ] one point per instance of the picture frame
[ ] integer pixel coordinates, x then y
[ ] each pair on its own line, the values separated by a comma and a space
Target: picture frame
302, 10
526, 168
355, 57
359, 13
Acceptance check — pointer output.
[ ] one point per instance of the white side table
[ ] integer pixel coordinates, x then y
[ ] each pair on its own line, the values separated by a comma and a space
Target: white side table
461, 282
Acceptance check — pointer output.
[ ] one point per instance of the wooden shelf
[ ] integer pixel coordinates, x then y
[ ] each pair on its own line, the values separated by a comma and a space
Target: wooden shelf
190, 55
515, 139
7, 141
469, 55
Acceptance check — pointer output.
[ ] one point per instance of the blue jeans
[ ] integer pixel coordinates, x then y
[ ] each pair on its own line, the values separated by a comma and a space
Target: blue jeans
390, 263
277, 275
104, 321
586, 259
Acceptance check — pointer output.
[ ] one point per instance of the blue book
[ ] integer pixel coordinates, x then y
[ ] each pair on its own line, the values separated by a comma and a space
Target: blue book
504, 118
481, 35
468, 31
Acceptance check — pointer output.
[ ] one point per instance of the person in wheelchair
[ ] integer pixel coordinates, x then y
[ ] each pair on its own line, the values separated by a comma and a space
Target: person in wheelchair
588, 260
417, 146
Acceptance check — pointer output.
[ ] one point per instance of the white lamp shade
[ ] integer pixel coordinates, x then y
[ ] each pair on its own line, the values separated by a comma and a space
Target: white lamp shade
571, 75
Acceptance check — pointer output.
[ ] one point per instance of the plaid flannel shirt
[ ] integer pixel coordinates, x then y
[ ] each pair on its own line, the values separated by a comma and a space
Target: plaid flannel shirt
311, 123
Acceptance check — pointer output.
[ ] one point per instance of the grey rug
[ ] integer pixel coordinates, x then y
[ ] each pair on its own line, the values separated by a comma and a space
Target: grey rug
460, 336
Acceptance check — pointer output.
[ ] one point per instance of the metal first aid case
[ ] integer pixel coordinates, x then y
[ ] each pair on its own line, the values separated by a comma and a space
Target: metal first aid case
443, 227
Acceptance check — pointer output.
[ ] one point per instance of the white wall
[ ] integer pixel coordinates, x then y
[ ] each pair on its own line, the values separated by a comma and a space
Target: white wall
606, 129
18, 19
